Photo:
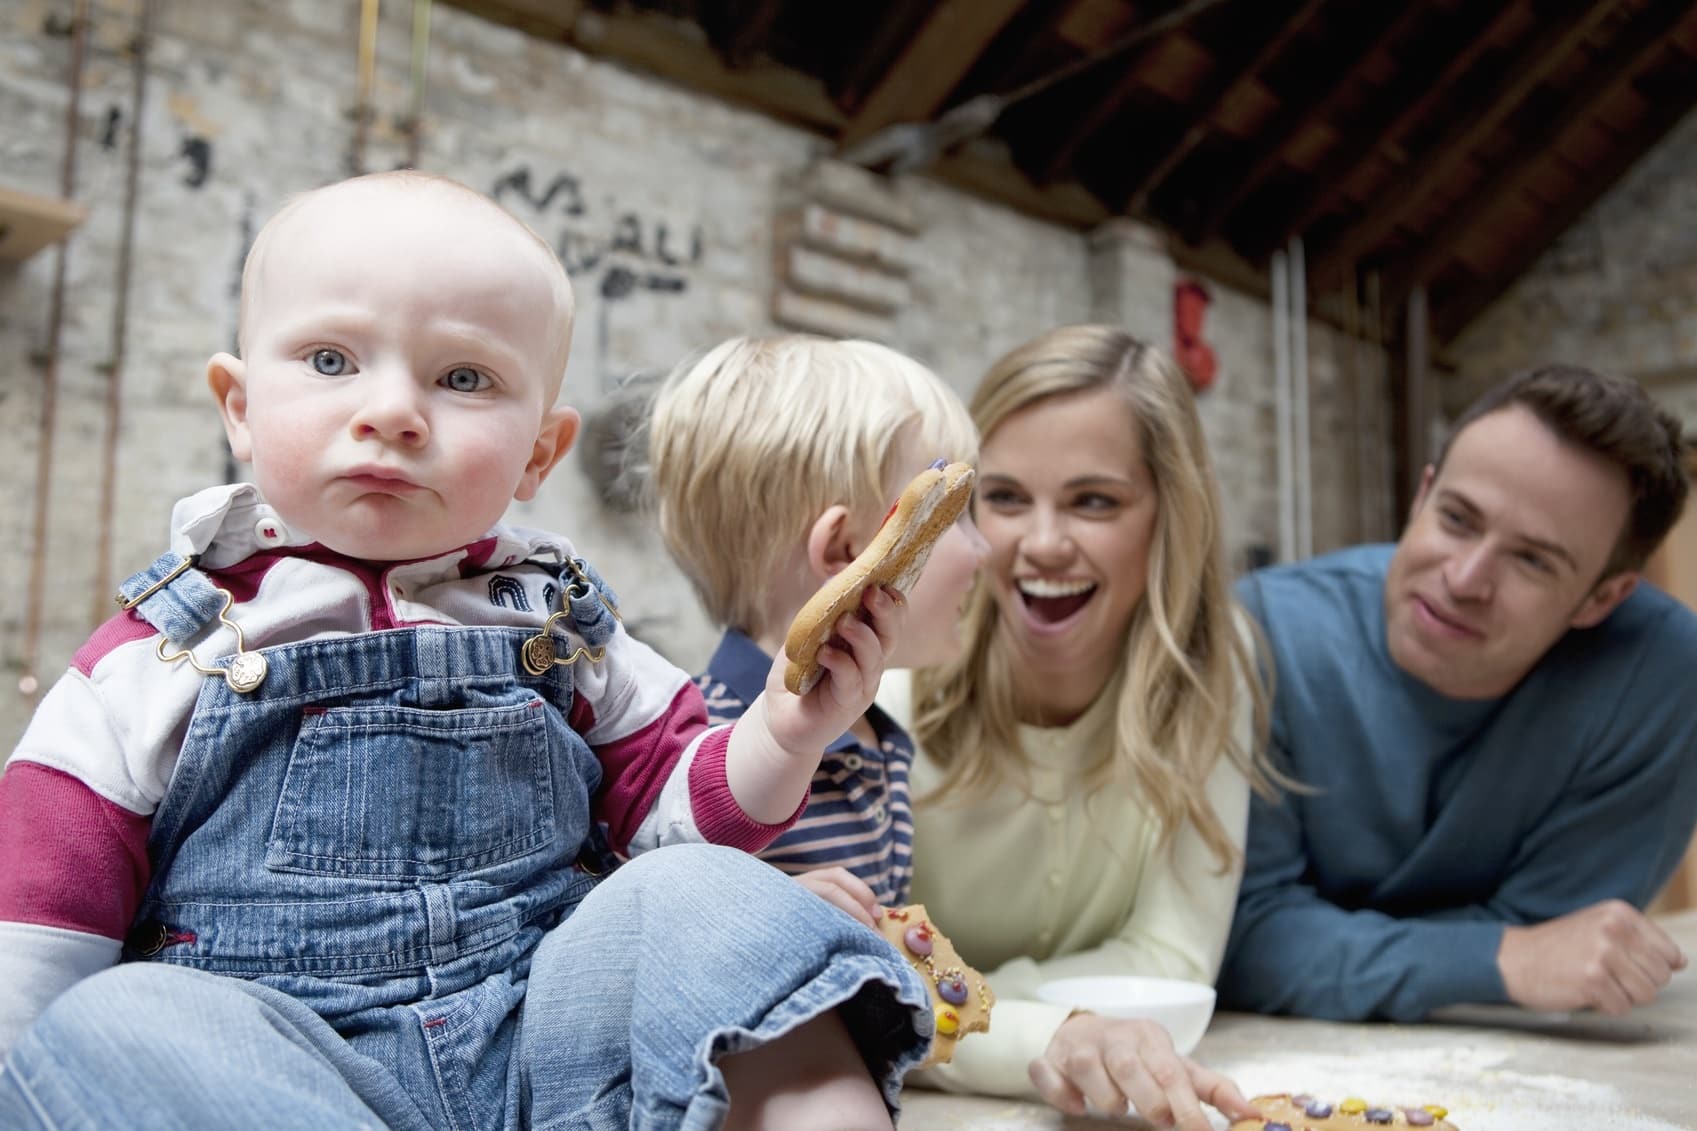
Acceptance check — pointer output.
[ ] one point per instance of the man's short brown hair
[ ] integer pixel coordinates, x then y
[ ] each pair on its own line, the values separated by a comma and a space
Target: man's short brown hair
1615, 419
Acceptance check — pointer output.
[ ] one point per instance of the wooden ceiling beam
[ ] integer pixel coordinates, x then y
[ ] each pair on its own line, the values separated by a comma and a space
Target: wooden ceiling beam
955, 34
670, 49
545, 19
1100, 113
743, 28
1554, 41
1672, 101
1220, 90
1409, 98
1629, 54
1296, 116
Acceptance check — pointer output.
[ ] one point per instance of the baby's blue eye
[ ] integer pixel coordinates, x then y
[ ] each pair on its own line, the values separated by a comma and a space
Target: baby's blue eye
465, 379
331, 363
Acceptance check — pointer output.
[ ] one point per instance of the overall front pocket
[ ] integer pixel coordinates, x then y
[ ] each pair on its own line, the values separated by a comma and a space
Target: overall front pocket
402, 793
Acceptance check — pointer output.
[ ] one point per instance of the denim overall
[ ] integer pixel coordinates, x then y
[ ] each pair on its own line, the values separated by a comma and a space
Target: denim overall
385, 832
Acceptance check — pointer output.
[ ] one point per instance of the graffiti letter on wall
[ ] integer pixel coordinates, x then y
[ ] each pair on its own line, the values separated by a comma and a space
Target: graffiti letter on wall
519, 181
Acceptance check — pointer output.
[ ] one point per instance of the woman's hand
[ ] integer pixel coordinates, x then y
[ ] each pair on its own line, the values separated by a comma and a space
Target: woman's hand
843, 889
1113, 1062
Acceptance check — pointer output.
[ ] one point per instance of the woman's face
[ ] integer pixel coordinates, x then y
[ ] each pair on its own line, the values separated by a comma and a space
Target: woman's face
1068, 507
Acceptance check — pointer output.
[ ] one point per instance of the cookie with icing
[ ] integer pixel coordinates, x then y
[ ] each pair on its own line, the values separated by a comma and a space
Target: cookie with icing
960, 998
895, 557
1285, 1112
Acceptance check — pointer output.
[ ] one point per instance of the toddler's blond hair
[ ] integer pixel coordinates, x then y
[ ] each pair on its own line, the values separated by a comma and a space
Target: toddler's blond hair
749, 443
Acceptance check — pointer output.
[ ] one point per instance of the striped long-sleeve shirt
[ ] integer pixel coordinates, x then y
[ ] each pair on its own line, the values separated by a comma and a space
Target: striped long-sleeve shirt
858, 814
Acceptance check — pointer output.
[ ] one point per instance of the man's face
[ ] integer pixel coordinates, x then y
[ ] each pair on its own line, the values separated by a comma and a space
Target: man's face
1504, 552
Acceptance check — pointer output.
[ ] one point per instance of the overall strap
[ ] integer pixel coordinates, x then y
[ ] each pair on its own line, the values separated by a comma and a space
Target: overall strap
594, 606
173, 596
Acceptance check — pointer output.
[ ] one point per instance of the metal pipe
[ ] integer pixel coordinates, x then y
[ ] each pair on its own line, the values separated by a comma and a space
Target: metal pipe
28, 683
1281, 408
1383, 476
121, 317
1297, 295
1419, 396
367, 79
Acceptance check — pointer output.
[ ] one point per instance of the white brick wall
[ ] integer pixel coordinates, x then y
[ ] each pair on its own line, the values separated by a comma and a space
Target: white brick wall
662, 204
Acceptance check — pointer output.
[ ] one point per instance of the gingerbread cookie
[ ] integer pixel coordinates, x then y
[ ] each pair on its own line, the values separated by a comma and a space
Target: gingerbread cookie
960, 997
1285, 1112
895, 557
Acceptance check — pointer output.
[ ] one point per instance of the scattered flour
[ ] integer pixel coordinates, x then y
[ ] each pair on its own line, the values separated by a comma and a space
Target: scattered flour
1471, 1080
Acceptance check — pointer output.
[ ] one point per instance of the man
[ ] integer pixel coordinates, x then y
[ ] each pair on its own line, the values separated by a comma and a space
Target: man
1492, 725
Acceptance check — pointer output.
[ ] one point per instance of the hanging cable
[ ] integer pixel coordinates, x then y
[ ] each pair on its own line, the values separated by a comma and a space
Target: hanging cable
907, 146
121, 318
28, 683
420, 57
367, 80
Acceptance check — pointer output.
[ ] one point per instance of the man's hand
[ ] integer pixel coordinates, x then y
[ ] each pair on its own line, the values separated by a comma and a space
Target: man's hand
1609, 957
843, 889
776, 745
1114, 1062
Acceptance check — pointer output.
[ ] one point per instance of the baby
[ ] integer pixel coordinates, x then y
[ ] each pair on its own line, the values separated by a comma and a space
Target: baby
317, 831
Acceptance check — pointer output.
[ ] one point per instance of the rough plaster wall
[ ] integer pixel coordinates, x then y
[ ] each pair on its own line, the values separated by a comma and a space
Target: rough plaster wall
659, 201
1618, 292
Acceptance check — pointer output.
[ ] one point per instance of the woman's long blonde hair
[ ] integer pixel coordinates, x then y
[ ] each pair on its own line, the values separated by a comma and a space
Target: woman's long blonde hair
1186, 662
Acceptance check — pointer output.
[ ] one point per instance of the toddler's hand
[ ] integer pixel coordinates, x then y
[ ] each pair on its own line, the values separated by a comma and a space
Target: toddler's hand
843, 889
776, 745
854, 661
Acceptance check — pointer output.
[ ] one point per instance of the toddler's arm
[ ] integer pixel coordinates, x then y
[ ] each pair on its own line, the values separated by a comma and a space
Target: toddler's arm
776, 746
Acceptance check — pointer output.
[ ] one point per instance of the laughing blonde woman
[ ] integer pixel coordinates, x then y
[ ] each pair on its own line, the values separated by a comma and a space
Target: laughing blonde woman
1084, 780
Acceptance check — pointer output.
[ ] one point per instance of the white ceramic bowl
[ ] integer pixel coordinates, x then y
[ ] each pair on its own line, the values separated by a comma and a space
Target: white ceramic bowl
1183, 1008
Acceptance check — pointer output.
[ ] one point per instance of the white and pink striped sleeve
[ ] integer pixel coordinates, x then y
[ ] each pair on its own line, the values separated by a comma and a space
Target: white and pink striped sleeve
76, 804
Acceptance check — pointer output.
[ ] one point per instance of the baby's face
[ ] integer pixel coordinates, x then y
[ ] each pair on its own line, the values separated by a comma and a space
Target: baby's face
396, 390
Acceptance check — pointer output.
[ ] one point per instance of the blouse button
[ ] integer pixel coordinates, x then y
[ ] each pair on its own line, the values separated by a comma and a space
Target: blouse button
853, 762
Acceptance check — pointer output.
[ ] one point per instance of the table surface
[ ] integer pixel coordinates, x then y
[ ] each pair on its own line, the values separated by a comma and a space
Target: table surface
1495, 1068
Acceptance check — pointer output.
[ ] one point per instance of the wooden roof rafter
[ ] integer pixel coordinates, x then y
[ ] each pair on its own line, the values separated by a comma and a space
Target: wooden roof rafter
741, 29
1227, 83
1060, 158
1294, 118
1623, 59
953, 37
1672, 100
1554, 40
1410, 100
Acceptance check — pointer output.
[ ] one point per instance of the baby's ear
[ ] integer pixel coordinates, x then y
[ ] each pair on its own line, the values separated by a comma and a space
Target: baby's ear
226, 376
553, 440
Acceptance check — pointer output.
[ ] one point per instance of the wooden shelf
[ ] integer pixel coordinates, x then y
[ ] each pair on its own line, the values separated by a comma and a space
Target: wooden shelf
29, 222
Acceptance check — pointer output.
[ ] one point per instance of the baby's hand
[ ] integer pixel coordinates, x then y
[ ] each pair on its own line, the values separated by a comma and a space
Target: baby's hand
853, 660
843, 889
